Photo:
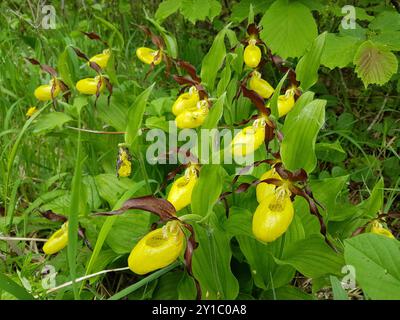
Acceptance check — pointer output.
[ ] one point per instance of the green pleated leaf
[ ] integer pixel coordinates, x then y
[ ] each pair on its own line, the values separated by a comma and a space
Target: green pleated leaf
204, 197
213, 60
215, 113
313, 257
211, 263
50, 121
135, 115
300, 134
307, 68
376, 260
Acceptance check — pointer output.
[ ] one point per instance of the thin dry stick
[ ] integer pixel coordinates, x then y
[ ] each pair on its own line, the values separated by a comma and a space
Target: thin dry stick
66, 284
95, 131
22, 239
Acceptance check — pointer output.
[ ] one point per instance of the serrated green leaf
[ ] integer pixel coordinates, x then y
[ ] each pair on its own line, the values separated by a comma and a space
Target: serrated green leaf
374, 63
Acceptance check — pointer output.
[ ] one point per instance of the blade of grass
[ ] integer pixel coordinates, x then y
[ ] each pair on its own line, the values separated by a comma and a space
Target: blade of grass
9, 285
143, 282
73, 215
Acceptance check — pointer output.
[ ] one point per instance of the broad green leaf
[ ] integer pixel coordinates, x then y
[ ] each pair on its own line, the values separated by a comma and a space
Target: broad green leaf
50, 121
239, 222
386, 21
288, 28
267, 274
275, 97
300, 134
111, 188
312, 257
166, 8
338, 292
339, 50
376, 260
327, 192
301, 102
113, 114
215, 113
211, 263
194, 10
241, 9
213, 60
330, 152
204, 197
166, 288
186, 287
307, 68
63, 68
10, 286
127, 230
286, 293
390, 39
374, 63
135, 115
374, 204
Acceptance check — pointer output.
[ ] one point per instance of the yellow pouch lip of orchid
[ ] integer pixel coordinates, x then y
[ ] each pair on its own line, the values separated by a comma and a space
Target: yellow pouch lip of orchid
180, 194
252, 54
249, 139
57, 241
147, 55
193, 118
89, 85
377, 228
101, 59
261, 86
272, 218
157, 249
43, 92
187, 101
264, 189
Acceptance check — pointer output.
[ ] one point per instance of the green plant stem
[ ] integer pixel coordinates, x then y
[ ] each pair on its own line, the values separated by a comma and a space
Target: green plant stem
143, 282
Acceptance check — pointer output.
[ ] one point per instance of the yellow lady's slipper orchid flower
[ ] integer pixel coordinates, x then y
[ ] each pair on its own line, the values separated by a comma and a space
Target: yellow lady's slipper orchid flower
286, 102
186, 101
148, 55
31, 111
377, 228
249, 139
57, 241
194, 117
252, 54
43, 92
263, 190
101, 59
261, 86
180, 194
273, 216
124, 164
157, 249
89, 85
